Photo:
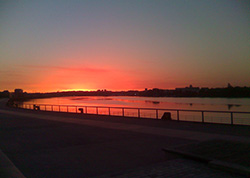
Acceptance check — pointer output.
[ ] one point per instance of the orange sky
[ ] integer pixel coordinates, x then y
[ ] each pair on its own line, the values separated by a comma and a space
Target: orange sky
123, 45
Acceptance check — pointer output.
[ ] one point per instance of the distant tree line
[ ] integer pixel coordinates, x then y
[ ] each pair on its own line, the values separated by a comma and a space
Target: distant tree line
228, 92
4, 94
203, 92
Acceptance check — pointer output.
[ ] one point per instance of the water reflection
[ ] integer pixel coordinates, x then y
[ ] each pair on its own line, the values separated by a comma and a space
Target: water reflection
154, 102
220, 104
89, 98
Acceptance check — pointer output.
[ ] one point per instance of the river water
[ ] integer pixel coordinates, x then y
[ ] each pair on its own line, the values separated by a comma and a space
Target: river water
214, 104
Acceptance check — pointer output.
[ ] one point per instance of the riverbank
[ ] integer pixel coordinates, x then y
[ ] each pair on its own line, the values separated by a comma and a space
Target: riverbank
46, 144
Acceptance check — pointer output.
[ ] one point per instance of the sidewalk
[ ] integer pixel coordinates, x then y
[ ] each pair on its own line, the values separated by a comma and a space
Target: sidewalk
174, 133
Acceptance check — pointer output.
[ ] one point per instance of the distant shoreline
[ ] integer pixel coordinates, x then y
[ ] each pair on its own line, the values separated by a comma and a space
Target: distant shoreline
55, 96
190, 92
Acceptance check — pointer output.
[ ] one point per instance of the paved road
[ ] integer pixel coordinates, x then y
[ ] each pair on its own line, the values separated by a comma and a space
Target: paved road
42, 144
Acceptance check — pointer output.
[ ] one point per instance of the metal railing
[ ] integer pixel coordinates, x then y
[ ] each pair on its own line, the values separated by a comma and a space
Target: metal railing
138, 112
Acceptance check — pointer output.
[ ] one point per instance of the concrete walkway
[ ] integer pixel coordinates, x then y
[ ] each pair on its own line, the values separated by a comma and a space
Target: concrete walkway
184, 134
43, 144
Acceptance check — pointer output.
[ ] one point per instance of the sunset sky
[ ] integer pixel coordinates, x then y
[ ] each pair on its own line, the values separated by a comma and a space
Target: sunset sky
123, 44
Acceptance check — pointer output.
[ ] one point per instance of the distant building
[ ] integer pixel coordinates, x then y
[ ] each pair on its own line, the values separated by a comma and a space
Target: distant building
188, 89
18, 91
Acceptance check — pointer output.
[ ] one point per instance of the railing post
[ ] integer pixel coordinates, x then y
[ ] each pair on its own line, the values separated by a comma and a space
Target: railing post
67, 108
202, 114
139, 113
109, 111
232, 119
51, 107
59, 108
45, 107
156, 113
123, 112
97, 110
86, 110
76, 109
178, 118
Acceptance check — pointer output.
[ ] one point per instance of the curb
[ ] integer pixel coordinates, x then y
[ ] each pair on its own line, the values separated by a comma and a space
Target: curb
213, 163
230, 167
8, 169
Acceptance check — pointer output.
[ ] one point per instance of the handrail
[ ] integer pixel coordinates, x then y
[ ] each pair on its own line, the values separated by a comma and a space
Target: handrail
160, 109
80, 108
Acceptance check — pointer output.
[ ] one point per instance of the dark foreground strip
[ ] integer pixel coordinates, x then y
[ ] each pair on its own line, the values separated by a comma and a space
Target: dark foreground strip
221, 165
7, 168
